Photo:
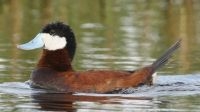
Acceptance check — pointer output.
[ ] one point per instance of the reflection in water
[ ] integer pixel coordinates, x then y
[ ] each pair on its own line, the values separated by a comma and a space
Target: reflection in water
54, 101
111, 34
73, 103
15, 24
46, 11
126, 27
181, 24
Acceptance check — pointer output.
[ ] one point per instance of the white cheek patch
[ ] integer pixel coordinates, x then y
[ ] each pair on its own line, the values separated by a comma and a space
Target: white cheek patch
53, 42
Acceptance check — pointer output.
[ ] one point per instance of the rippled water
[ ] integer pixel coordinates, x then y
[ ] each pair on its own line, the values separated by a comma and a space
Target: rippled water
111, 34
170, 93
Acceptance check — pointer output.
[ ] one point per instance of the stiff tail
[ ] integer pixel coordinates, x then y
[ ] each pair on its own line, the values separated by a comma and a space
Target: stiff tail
164, 58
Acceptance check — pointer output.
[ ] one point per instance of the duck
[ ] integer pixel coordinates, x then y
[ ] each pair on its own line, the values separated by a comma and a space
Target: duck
54, 69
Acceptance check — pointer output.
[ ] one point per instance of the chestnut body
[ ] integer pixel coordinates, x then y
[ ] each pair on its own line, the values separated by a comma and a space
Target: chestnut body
88, 81
54, 70
58, 74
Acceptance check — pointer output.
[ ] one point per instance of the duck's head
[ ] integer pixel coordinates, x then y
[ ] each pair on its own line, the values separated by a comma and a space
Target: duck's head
54, 36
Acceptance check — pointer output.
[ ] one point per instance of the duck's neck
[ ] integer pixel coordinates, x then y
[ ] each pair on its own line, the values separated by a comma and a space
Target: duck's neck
58, 60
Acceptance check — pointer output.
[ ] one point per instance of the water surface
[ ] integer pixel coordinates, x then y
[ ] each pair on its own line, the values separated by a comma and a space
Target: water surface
111, 34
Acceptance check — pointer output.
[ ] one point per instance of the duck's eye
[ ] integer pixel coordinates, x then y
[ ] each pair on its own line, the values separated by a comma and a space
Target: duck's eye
52, 32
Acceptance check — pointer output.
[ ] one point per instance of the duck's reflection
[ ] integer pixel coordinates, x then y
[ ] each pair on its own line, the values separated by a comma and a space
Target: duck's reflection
53, 101
62, 101
73, 102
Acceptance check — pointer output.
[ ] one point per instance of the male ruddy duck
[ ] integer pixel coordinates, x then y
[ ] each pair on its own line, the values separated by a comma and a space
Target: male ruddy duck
54, 69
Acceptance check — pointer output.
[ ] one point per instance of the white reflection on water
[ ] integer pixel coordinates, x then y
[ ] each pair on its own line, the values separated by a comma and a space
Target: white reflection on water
91, 25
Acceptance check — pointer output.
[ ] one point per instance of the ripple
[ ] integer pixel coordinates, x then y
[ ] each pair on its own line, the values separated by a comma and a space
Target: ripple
91, 25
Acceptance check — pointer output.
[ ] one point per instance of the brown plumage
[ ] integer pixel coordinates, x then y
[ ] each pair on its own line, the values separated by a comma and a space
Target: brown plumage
54, 70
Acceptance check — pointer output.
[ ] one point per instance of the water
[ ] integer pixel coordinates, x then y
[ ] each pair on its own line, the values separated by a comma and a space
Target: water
169, 95
111, 34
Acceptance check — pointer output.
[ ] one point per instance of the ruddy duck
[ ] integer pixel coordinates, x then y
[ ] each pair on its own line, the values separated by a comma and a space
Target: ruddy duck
54, 70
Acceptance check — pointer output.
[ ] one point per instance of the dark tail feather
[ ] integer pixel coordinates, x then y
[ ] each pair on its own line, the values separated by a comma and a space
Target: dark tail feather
164, 58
